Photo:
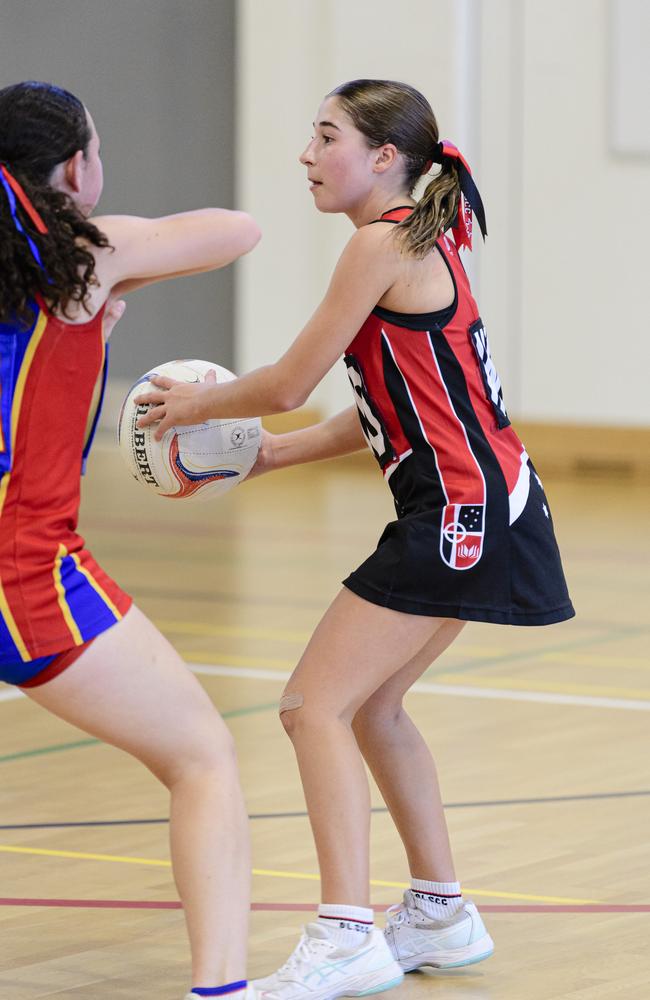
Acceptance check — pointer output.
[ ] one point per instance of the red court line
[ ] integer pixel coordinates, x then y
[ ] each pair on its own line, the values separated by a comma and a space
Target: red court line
146, 904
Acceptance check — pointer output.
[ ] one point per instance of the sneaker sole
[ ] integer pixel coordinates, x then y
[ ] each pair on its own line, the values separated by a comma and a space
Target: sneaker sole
388, 985
453, 959
363, 985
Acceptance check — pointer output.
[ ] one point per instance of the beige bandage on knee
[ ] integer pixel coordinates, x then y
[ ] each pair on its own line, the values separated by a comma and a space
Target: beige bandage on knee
290, 701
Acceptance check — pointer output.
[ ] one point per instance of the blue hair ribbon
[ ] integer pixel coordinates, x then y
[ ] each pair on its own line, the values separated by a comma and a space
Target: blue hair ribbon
13, 188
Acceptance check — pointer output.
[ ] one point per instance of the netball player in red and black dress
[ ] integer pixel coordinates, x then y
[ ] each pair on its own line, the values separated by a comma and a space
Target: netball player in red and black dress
473, 539
69, 636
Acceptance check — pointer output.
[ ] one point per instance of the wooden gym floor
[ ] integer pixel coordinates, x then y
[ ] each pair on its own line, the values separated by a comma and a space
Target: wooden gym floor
541, 736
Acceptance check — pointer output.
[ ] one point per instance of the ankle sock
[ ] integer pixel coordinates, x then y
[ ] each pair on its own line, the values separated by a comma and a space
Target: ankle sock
347, 926
439, 900
220, 991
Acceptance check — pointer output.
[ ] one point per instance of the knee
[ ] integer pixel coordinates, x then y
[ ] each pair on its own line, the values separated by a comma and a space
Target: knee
208, 751
299, 716
377, 717
292, 712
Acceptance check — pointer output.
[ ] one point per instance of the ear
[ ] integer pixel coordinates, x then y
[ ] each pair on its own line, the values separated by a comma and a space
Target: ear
385, 157
73, 171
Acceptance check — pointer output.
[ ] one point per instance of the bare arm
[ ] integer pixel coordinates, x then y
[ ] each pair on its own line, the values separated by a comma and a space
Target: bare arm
366, 269
146, 250
340, 435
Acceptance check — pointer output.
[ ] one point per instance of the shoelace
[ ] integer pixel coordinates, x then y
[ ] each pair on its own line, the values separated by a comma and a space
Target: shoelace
399, 913
303, 952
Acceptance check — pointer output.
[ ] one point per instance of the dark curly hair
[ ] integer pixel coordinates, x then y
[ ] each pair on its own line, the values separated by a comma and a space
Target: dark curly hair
41, 126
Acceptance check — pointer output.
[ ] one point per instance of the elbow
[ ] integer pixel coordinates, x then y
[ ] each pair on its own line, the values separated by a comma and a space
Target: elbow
248, 230
284, 403
287, 400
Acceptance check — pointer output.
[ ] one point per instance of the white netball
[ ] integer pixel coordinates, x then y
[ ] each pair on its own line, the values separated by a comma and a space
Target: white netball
190, 463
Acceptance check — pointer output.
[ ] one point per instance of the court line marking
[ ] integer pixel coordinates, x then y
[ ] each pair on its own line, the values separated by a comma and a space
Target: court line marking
11, 694
613, 634
498, 691
510, 683
146, 904
555, 653
303, 814
91, 742
454, 690
272, 873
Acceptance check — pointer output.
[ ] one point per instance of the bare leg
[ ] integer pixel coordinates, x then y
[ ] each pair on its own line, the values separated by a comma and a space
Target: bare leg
402, 765
131, 689
355, 649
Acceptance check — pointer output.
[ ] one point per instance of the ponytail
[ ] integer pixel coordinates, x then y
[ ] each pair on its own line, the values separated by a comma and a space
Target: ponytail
449, 201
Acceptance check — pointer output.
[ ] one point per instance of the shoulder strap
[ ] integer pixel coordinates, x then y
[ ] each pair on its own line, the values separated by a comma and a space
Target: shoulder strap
394, 214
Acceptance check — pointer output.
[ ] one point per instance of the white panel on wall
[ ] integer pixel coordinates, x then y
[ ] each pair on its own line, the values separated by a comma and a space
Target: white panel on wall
563, 272
290, 54
629, 42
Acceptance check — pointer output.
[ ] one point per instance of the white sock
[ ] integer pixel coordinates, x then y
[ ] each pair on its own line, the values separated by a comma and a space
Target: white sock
439, 900
347, 926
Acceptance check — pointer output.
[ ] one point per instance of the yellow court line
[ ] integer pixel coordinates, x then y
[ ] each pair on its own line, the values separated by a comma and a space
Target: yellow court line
232, 660
272, 873
287, 635
405, 885
6, 848
588, 660
232, 631
527, 684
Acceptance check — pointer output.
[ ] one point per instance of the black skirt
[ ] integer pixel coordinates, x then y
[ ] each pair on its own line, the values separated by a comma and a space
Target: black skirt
517, 579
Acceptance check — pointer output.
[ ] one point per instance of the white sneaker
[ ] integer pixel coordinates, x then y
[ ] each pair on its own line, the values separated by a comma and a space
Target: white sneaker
416, 939
320, 970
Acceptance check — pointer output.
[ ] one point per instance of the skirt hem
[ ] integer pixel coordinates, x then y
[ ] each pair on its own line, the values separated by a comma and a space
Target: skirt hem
495, 616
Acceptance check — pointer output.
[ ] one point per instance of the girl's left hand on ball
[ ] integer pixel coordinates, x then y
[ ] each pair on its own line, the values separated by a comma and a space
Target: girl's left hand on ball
176, 403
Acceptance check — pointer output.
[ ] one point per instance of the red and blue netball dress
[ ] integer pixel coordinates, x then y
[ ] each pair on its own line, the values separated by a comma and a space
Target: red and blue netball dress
54, 598
474, 537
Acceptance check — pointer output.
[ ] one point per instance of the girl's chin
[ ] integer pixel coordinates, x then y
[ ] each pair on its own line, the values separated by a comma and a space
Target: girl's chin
324, 204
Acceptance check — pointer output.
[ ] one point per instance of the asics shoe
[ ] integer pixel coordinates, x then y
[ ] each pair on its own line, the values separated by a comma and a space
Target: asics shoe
416, 939
320, 970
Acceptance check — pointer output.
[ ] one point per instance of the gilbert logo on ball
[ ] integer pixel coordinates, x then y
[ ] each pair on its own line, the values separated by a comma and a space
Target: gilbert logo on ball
196, 462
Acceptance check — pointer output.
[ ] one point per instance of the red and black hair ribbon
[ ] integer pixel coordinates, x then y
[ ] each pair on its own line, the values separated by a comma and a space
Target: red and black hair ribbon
15, 190
470, 200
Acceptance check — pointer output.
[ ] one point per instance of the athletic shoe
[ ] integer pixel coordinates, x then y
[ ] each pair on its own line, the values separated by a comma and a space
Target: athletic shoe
319, 970
416, 939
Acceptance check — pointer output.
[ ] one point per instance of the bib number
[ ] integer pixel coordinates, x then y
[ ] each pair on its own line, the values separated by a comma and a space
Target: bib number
371, 422
489, 374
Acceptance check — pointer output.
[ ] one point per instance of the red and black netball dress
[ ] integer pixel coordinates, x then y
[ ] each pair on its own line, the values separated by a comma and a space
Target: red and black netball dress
54, 597
474, 536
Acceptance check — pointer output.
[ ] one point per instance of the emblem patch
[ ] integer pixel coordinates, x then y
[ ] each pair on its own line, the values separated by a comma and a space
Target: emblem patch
461, 534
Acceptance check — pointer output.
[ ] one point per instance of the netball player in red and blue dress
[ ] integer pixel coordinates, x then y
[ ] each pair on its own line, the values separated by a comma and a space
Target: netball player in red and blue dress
473, 538
69, 636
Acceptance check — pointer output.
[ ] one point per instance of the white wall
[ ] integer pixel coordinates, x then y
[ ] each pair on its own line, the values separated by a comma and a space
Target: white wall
586, 348
522, 86
291, 53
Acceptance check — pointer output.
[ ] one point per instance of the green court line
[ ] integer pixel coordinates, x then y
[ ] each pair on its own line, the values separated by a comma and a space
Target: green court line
532, 654
235, 713
40, 751
251, 710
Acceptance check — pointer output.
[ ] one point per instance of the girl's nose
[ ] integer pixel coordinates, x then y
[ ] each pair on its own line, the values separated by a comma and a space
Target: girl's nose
306, 157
